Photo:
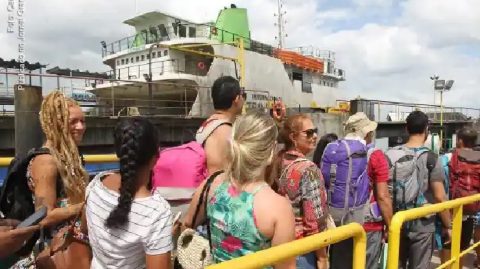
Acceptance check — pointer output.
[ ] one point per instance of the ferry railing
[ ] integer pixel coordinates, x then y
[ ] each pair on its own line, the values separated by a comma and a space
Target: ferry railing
135, 72
160, 67
180, 31
403, 216
302, 246
398, 111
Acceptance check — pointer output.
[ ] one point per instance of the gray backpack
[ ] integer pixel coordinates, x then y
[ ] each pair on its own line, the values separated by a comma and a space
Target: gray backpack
407, 176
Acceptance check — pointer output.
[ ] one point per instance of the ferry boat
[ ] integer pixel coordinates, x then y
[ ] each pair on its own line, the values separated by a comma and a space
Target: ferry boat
169, 65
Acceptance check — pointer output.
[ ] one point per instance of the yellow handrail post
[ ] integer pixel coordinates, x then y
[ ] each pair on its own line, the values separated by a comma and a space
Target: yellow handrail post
394, 240
359, 250
399, 218
456, 236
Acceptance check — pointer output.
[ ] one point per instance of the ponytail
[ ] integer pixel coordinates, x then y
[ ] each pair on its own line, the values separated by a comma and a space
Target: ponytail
136, 143
128, 171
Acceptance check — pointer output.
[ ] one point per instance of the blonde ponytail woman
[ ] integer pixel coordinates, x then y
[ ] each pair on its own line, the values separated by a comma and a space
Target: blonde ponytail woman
245, 214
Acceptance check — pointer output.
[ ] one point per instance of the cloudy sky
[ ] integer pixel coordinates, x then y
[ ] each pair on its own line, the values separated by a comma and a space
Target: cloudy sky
388, 48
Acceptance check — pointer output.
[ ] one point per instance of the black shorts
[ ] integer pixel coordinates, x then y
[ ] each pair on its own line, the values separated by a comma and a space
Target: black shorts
467, 231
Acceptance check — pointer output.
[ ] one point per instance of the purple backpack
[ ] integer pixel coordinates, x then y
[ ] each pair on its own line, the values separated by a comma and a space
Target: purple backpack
344, 168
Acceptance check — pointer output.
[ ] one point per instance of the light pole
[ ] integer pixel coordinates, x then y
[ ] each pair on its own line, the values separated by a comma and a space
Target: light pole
434, 78
441, 85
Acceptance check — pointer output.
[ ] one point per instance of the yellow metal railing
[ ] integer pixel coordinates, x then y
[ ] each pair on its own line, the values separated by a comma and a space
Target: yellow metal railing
302, 246
401, 217
101, 158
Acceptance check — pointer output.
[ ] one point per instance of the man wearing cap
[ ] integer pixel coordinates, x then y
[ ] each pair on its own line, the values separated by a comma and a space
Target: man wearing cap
378, 211
373, 198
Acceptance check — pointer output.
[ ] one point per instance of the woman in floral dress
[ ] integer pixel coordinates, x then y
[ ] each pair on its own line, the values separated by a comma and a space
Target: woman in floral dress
245, 214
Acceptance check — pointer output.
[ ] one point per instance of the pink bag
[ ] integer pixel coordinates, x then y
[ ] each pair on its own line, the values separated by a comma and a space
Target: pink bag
180, 170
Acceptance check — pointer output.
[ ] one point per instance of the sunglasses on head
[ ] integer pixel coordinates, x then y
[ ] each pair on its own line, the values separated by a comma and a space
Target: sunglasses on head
310, 132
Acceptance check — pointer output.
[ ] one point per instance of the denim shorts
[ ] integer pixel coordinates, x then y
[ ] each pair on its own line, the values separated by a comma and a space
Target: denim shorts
476, 220
307, 261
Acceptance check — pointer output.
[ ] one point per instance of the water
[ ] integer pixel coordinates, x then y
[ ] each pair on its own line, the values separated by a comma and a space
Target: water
91, 168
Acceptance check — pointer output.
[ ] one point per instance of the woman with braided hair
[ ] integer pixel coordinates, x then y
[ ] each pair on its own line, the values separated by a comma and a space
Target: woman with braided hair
58, 179
128, 225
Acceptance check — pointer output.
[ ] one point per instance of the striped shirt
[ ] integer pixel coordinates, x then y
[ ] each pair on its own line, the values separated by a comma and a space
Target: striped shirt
148, 231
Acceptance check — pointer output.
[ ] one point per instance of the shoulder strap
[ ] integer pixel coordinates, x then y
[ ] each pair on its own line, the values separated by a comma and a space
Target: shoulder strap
207, 130
204, 195
290, 165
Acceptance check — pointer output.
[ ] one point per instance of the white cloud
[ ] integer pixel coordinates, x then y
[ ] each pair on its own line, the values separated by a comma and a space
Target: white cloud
373, 3
444, 22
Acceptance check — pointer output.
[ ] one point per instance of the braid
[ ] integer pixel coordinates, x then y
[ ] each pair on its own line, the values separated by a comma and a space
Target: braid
54, 119
128, 170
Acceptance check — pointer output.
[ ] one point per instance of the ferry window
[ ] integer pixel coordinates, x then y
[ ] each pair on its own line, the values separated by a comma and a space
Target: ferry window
131, 60
126, 61
143, 57
137, 59
154, 54
297, 76
145, 36
163, 30
123, 61
148, 56
165, 53
175, 27
192, 32
182, 31
307, 83
153, 33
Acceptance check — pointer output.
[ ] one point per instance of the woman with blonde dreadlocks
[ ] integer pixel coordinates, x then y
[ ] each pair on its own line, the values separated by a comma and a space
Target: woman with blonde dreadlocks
58, 179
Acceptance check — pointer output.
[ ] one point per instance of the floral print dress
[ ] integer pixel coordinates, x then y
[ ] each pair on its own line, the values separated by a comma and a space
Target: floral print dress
233, 229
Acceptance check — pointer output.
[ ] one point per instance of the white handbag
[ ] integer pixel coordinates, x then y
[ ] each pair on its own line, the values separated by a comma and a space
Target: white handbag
194, 250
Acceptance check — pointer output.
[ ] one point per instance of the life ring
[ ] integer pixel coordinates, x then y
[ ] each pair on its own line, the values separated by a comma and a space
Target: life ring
201, 65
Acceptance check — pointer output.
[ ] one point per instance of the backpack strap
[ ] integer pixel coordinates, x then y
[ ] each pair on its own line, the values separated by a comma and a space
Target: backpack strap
208, 128
290, 165
349, 176
432, 158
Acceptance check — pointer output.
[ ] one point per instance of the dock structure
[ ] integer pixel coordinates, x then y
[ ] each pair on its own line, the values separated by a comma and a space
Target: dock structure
177, 129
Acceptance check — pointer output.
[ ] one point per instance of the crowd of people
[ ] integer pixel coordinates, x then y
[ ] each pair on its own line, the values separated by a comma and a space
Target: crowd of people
261, 190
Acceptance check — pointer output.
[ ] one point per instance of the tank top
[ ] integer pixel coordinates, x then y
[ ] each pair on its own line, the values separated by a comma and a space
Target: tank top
233, 230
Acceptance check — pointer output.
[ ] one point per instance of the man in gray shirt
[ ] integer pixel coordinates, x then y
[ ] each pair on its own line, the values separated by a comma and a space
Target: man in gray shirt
417, 236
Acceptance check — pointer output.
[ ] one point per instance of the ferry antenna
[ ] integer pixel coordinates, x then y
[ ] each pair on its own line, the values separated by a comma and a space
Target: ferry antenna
280, 24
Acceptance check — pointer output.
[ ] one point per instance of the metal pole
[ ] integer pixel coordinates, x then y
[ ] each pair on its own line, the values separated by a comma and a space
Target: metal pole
41, 78
6, 78
186, 109
113, 99
28, 133
441, 119
149, 80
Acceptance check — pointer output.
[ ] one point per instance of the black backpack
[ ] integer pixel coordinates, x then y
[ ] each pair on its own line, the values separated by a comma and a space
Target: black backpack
16, 197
